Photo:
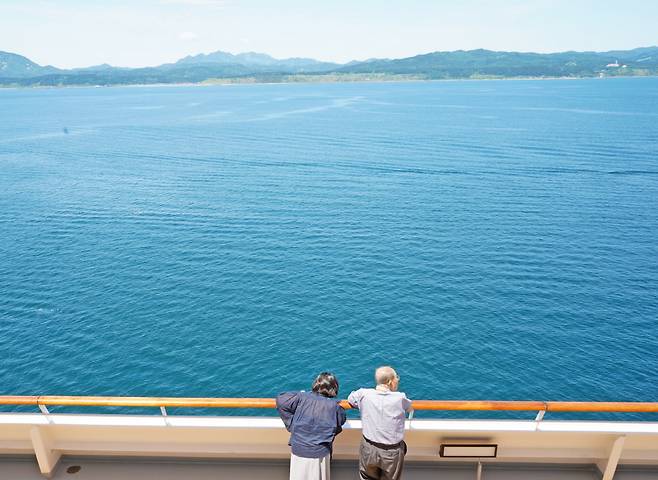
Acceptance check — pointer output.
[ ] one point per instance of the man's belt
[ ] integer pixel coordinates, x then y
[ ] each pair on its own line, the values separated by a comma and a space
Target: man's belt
385, 446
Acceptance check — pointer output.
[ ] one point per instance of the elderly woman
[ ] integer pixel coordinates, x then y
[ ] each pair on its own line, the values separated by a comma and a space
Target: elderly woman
313, 419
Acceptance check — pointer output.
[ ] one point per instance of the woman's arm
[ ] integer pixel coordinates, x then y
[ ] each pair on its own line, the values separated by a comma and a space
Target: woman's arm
340, 419
286, 405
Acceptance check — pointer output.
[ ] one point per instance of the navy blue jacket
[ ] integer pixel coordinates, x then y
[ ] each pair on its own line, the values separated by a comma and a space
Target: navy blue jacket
312, 420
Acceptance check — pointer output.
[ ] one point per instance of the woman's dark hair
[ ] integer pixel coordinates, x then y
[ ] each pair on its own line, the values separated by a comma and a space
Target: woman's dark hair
326, 384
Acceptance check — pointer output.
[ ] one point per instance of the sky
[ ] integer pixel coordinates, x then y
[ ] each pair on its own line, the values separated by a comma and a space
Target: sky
79, 33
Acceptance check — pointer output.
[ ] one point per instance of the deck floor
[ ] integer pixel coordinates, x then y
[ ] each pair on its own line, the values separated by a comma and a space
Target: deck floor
25, 468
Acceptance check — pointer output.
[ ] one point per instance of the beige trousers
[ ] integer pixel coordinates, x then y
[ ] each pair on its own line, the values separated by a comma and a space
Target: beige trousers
309, 468
381, 464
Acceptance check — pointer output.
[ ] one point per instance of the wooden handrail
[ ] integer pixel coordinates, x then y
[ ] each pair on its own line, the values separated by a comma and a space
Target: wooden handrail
472, 405
484, 405
18, 400
644, 407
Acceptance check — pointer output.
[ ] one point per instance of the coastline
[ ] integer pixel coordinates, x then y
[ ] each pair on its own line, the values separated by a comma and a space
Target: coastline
231, 81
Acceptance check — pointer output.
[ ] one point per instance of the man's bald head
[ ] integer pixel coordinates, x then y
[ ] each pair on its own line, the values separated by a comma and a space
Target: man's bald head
386, 376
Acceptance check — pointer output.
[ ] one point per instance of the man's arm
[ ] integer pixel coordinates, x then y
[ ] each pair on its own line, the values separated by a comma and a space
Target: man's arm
406, 404
286, 404
354, 398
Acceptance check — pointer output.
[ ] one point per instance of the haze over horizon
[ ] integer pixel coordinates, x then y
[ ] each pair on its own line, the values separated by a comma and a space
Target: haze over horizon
76, 33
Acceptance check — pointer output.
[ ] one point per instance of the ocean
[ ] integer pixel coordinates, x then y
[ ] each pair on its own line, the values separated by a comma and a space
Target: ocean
488, 239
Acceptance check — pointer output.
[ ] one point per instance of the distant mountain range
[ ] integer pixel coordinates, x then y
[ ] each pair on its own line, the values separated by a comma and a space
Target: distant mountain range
258, 61
16, 70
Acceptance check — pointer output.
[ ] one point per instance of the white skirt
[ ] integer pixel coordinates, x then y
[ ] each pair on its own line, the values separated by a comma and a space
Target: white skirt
309, 468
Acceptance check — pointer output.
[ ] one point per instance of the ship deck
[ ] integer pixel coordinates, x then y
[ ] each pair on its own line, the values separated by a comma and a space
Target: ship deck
96, 468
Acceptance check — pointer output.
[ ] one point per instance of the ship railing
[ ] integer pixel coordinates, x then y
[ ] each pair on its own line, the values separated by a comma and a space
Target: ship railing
47, 455
541, 407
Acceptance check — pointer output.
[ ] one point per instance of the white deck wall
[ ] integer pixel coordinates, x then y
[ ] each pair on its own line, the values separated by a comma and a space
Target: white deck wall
50, 436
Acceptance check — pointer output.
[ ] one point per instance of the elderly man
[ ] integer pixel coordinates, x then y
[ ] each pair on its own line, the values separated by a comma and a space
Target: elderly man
382, 450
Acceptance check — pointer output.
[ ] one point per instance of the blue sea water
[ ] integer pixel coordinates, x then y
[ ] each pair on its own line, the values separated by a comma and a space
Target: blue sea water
489, 239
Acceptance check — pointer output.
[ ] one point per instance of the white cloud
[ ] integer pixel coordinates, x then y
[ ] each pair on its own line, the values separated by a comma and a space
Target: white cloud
188, 36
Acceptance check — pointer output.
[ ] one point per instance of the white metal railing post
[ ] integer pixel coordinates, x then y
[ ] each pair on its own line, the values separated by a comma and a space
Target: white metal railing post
540, 415
163, 411
46, 412
408, 422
